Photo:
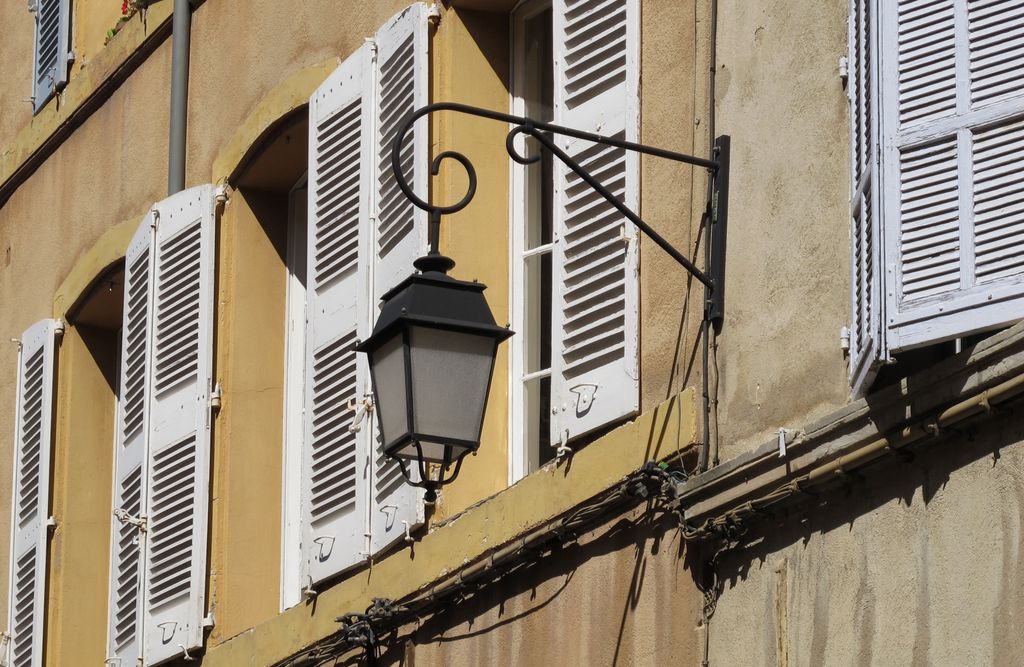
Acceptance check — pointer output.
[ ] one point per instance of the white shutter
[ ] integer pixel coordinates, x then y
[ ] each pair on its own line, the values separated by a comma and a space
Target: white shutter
31, 507
867, 344
177, 498
953, 127
125, 585
52, 49
594, 374
335, 466
401, 229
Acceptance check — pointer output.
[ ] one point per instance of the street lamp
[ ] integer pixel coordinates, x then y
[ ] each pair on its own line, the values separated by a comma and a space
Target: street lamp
431, 358
432, 350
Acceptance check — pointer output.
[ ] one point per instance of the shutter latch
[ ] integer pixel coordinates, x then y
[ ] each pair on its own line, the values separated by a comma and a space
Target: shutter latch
362, 409
123, 516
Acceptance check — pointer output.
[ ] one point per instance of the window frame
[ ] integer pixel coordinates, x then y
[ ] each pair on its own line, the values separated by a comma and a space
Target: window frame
521, 455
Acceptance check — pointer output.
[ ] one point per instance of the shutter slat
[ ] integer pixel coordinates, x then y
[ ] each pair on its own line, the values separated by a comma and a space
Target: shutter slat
333, 484
178, 425
595, 304
926, 61
52, 43
400, 234
33, 442
996, 32
124, 620
999, 201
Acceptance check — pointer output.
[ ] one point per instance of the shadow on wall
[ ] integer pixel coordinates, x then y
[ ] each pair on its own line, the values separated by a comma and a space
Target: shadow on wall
492, 618
926, 468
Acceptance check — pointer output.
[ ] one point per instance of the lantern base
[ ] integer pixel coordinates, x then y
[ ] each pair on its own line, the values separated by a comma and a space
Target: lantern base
424, 482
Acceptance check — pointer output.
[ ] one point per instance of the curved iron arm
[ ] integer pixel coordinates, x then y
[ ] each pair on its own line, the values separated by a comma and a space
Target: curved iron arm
539, 131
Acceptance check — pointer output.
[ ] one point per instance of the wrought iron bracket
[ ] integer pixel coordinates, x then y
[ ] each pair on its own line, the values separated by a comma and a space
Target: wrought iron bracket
712, 277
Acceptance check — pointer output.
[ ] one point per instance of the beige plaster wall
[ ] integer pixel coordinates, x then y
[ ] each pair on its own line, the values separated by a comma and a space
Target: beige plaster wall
780, 97
620, 595
673, 113
917, 565
16, 74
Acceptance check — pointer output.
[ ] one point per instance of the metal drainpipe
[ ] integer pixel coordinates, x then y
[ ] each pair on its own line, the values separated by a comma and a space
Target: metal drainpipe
180, 39
710, 334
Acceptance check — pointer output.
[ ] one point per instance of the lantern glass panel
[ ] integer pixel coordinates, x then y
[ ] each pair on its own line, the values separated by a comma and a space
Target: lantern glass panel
433, 452
451, 373
390, 379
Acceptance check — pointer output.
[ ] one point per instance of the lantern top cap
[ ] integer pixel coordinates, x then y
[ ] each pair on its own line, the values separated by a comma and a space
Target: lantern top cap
436, 300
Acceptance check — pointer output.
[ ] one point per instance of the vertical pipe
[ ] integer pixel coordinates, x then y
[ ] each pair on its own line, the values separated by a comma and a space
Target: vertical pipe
709, 331
181, 30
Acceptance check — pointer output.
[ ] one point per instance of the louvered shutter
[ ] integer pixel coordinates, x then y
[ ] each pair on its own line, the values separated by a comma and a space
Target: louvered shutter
335, 464
31, 508
953, 127
179, 424
125, 586
594, 374
400, 231
867, 344
52, 49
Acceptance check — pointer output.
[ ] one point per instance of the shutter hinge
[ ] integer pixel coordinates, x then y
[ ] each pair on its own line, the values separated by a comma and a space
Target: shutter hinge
208, 621
433, 15
844, 69
123, 516
58, 329
408, 535
366, 549
373, 47
33, 6
51, 522
844, 339
362, 410
782, 443
222, 193
215, 397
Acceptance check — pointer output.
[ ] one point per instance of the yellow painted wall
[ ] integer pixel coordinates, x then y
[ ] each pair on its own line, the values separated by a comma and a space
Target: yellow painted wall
469, 64
245, 537
82, 484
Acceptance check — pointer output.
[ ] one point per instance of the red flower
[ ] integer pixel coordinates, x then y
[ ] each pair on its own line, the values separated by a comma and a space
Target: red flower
124, 8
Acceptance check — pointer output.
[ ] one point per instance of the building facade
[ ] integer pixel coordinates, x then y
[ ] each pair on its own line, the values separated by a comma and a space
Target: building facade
828, 472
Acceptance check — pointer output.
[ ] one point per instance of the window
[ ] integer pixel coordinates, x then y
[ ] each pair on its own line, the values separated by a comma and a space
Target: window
574, 283
162, 449
34, 418
363, 236
937, 110
52, 49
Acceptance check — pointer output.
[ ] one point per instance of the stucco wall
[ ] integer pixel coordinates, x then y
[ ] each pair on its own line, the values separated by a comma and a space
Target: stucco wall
919, 564
781, 99
620, 595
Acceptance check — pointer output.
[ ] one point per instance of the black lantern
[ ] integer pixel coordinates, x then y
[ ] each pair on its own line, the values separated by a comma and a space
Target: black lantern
431, 358
432, 350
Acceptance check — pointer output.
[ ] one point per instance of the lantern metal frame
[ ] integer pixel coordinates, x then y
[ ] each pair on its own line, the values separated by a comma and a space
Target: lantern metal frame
713, 277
